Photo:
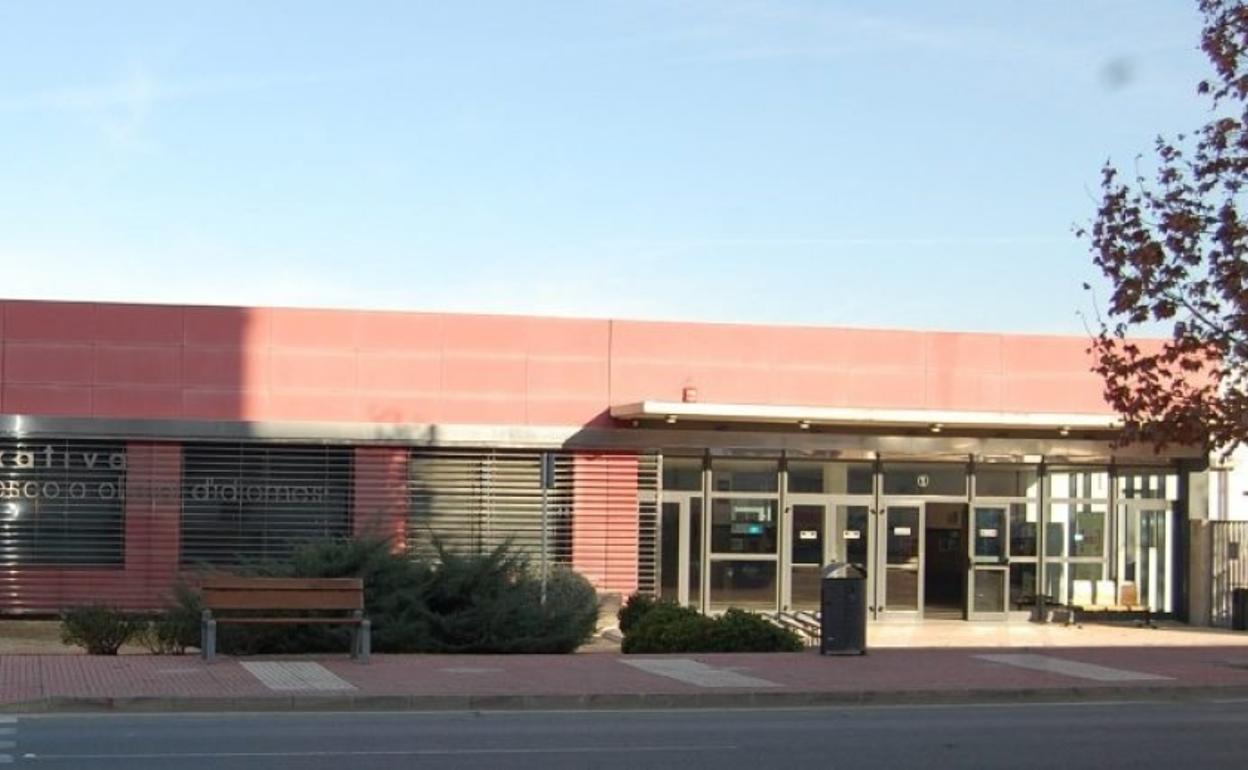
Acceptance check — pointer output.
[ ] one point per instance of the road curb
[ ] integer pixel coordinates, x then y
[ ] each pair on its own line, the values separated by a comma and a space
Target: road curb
614, 701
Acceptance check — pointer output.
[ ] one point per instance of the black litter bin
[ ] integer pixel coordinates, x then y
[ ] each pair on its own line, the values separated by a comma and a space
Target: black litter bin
1239, 609
843, 610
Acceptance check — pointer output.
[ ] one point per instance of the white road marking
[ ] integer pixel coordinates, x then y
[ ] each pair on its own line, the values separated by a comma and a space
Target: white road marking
277, 675
395, 752
696, 673
1072, 668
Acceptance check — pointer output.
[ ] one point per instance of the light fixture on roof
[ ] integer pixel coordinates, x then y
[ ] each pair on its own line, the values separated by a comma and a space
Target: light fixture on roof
936, 427
671, 419
804, 424
1064, 431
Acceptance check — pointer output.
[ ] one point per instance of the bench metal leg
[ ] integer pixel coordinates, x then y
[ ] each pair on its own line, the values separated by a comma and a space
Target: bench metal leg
362, 641
208, 639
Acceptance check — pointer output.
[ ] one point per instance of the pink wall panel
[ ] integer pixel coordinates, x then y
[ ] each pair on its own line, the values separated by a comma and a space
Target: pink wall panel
226, 326
137, 401
41, 362
561, 337
320, 369
605, 522
482, 334
317, 329
219, 367
138, 323
484, 375
399, 372
68, 322
381, 503
415, 333
131, 365
57, 400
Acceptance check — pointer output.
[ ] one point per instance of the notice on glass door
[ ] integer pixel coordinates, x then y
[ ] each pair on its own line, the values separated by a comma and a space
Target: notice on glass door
851, 534
901, 531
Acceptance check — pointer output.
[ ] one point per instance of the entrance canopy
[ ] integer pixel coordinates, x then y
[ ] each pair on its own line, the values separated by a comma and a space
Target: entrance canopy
846, 417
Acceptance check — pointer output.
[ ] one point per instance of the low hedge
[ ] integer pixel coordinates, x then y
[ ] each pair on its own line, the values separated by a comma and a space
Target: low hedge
665, 627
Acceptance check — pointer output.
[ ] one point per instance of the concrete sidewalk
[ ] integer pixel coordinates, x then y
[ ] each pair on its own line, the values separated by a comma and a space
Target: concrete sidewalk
34, 683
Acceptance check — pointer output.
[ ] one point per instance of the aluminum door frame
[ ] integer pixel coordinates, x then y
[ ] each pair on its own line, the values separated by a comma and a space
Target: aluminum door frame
880, 581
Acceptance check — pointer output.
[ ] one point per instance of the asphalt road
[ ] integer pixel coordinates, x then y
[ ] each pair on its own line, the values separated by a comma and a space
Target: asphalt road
1134, 735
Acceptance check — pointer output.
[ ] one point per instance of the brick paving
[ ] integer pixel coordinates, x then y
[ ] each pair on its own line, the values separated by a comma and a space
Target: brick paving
43, 679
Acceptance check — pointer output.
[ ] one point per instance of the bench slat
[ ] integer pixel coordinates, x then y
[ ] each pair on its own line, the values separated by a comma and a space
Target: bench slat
258, 583
234, 599
290, 621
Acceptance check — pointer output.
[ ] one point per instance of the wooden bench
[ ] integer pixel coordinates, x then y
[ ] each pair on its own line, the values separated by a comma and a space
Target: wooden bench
305, 595
1113, 602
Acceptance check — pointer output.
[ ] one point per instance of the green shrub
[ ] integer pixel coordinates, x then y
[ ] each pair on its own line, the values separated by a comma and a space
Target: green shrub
741, 631
175, 629
668, 628
449, 602
633, 610
101, 630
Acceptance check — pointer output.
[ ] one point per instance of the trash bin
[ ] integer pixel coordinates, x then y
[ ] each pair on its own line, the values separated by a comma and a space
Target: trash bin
1239, 609
843, 610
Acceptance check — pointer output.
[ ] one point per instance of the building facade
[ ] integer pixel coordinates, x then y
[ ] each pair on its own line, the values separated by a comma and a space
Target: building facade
971, 475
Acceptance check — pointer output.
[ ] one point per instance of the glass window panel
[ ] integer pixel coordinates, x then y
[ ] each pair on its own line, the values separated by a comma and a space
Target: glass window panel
695, 551
743, 525
989, 534
924, 479
804, 593
744, 584
990, 590
1086, 571
1152, 484
853, 533
669, 559
1006, 481
901, 589
682, 474
903, 536
1024, 528
1022, 585
831, 478
1087, 531
807, 534
1055, 582
1055, 530
745, 476
1083, 483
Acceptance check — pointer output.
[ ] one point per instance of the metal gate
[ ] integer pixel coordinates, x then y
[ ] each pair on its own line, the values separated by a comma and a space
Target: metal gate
1229, 565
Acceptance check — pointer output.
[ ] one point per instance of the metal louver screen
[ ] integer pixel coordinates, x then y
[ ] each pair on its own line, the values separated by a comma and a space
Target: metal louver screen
473, 501
61, 503
244, 503
598, 516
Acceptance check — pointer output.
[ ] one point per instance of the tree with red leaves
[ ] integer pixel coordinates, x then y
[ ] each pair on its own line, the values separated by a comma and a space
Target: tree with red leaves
1176, 252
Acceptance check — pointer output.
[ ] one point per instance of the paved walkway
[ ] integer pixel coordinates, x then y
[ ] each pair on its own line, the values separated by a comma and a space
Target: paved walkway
428, 682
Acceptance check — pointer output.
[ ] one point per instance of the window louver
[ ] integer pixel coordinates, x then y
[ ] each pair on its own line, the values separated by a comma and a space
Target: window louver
245, 503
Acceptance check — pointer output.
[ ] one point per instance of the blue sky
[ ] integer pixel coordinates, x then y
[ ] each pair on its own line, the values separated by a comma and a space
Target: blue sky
906, 164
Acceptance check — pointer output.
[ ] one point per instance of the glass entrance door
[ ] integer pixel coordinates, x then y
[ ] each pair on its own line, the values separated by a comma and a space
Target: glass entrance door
680, 563
988, 586
808, 538
1145, 555
899, 590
